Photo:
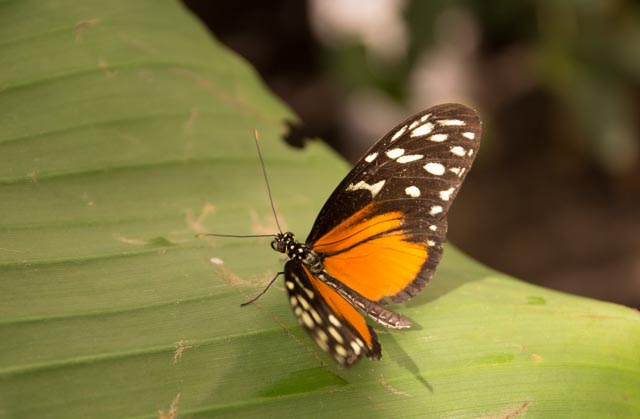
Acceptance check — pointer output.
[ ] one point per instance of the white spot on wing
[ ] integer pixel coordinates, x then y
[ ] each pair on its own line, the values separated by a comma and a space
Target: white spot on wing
303, 303
322, 335
298, 281
433, 227
374, 189
395, 153
371, 157
469, 135
334, 320
434, 168
316, 316
414, 124
424, 129
322, 344
431, 243
307, 320
445, 195
409, 158
455, 170
425, 117
399, 133
435, 210
458, 151
341, 351
334, 332
308, 292
451, 122
412, 191
438, 138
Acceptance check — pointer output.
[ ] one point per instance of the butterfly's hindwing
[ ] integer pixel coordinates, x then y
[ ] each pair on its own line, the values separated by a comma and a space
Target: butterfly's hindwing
336, 326
373, 309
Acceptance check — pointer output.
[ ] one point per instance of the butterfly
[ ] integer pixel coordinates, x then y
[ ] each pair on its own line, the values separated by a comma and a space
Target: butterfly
379, 236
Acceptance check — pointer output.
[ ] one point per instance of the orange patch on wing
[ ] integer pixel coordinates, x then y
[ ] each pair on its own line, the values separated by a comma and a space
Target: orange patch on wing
342, 308
357, 228
374, 267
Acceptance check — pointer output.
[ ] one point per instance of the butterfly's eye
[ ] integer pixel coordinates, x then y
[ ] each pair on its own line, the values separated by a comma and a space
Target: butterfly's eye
278, 246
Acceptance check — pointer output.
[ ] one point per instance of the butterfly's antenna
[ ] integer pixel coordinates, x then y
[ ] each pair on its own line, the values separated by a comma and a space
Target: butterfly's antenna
273, 208
266, 181
237, 236
275, 216
263, 292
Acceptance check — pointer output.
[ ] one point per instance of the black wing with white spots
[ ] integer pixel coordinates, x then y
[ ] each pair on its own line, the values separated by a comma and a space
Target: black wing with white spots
417, 168
330, 321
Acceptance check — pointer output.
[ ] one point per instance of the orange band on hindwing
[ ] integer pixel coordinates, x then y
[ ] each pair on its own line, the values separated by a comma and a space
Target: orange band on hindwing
342, 308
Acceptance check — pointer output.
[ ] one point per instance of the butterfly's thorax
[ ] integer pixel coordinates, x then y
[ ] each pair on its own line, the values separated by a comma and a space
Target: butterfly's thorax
286, 243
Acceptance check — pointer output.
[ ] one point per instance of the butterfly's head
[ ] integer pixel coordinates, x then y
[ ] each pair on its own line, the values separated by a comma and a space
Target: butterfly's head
282, 242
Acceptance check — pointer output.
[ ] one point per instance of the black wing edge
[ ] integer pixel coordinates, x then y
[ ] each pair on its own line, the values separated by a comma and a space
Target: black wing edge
435, 250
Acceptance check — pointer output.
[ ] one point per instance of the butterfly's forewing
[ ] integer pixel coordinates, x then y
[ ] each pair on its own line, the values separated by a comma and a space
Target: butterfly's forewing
381, 231
336, 326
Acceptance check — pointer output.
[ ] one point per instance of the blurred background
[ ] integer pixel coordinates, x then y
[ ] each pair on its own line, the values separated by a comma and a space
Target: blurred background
554, 197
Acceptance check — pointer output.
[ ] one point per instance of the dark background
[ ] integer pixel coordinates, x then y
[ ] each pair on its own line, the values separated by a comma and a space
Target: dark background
554, 197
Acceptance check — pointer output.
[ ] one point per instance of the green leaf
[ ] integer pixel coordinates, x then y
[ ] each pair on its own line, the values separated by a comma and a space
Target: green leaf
125, 129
